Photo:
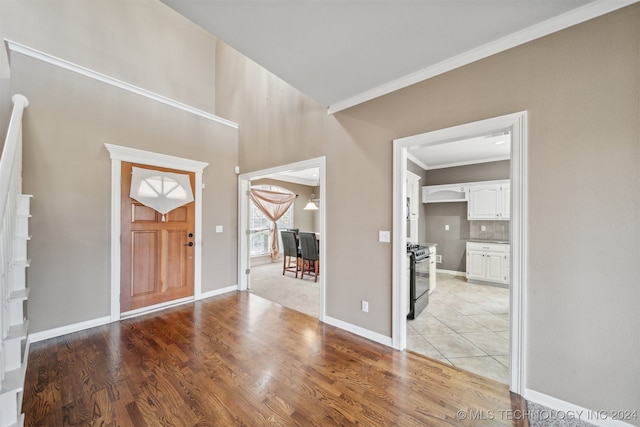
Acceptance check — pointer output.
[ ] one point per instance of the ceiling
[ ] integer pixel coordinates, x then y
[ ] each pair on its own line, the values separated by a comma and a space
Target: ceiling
482, 149
309, 176
344, 52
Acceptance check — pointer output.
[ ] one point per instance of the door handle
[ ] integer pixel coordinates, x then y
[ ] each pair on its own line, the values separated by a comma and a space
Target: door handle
189, 244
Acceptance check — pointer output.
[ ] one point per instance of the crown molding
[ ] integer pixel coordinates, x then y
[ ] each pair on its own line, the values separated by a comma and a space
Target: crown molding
70, 66
560, 22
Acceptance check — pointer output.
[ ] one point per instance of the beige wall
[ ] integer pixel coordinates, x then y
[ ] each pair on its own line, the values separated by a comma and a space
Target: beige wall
580, 87
142, 42
68, 169
581, 90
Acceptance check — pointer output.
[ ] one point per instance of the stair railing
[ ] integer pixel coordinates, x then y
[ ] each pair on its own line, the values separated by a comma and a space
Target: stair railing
10, 191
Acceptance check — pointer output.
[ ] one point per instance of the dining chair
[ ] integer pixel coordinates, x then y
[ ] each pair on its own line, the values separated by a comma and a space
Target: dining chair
291, 251
310, 255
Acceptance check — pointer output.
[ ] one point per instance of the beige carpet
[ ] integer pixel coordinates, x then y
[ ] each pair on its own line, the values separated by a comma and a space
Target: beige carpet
268, 282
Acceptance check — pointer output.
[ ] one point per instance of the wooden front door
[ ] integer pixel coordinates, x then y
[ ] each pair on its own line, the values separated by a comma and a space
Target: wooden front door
157, 255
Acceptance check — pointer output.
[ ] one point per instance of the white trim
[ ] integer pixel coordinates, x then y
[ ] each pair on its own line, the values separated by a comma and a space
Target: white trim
517, 124
88, 324
70, 66
595, 417
466, 163
133, 155
68, 329
119, 154
156, 307
217, 292
452, 272
417, 161
357, 330
555, 24
243, 221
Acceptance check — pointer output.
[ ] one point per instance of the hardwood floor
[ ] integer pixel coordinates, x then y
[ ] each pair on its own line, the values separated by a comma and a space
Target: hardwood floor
239, 359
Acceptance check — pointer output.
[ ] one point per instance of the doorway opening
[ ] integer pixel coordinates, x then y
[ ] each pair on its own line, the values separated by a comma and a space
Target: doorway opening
515, 126
259, 271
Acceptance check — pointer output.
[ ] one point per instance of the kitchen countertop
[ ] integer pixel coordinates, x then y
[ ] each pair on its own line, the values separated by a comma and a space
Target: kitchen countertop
502, 242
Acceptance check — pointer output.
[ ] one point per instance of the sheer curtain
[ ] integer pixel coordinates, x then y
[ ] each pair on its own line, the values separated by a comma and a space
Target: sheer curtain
273, 205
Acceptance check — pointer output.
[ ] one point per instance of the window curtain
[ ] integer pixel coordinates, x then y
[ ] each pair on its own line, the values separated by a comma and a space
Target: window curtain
273, 205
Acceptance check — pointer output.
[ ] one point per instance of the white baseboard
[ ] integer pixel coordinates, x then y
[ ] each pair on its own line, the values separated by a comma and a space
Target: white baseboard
80, 326
566, 410
217, 292
63, 330
373, 336
452, 272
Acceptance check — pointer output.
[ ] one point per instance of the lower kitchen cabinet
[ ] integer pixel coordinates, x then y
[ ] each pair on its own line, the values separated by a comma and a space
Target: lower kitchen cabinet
488, 262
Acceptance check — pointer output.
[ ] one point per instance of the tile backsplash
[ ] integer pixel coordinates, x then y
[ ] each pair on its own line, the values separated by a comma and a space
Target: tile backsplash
494, 230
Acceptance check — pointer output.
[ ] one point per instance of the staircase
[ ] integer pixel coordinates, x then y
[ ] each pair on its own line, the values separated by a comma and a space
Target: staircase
14, 234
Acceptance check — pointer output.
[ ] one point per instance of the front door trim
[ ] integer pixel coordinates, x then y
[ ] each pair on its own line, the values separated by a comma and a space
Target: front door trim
121, 154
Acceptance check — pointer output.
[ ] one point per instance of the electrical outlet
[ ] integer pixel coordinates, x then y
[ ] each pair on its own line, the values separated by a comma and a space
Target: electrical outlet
438, 259
365, 306
446, 227
483, 228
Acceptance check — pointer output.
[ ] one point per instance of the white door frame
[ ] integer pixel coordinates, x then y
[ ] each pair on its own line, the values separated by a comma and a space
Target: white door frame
517, 124
243, 219
124, 154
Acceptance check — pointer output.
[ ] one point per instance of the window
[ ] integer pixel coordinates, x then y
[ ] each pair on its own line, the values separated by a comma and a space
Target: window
260, 226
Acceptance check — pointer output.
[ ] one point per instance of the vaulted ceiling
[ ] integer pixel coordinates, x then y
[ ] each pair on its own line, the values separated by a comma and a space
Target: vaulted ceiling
344, 52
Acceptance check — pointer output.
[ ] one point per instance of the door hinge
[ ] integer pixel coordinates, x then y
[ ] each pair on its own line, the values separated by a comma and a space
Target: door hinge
247, 271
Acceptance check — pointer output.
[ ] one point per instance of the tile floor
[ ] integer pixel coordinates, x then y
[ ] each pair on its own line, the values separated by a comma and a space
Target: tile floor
465, 325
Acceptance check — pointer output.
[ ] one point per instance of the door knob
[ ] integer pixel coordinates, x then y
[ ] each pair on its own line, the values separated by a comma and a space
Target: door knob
189, 244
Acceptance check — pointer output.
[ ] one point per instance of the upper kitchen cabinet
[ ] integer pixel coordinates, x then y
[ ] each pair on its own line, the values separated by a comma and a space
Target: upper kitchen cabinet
490, 201
445, 193
412, 189
413, 195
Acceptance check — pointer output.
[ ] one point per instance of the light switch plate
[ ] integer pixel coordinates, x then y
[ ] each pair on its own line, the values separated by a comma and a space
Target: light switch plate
384, 236
219, 229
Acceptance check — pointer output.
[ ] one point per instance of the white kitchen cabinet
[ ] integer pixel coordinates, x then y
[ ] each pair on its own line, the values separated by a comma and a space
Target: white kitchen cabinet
432, 266
488, 262
412, 189
413, 195
444, 193
489, 201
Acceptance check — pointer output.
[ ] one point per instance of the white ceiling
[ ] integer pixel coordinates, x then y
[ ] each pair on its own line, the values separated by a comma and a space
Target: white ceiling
309, 176
489, 148
344, 52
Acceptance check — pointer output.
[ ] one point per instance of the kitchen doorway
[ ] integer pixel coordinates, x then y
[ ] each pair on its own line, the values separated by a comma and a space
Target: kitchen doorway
515, 124
267, 277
